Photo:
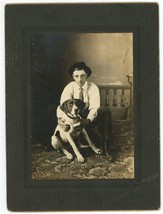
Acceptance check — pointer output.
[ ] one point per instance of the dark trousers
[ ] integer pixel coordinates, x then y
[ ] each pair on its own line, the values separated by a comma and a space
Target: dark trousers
101, 127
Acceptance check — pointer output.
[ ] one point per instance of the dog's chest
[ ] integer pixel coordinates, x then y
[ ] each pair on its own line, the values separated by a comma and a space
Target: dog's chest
71, 122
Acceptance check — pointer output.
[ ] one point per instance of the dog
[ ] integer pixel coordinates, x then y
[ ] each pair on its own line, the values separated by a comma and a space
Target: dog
71, 115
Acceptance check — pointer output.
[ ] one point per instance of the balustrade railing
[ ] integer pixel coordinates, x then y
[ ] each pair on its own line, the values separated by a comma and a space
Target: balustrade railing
115, 95
119, 98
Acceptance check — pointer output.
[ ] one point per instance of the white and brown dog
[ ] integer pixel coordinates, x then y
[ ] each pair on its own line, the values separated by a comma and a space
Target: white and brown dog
71, 110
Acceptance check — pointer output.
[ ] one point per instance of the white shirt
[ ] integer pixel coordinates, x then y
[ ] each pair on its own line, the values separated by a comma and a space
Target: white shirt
90, 93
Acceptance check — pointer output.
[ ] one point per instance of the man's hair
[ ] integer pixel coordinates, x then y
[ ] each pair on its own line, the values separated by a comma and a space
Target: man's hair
79, 66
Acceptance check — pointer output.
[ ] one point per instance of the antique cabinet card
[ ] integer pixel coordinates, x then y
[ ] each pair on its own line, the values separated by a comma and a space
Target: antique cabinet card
119, 44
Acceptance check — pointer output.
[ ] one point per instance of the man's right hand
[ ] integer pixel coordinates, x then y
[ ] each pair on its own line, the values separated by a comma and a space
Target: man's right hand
62, 124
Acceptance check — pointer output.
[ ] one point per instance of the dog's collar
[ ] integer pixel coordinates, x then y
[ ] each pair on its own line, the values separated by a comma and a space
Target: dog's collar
70, 116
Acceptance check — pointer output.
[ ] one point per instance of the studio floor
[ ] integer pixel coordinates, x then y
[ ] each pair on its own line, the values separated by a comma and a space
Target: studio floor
119, 164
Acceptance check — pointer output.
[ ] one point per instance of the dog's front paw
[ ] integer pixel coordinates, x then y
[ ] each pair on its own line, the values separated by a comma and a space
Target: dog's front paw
69, 156
98, 151
80, 158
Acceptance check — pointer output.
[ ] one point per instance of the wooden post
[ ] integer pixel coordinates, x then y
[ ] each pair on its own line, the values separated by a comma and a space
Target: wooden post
130, 108
130, 80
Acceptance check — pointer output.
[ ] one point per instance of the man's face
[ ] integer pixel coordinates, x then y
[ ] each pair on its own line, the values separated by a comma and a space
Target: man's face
80, 77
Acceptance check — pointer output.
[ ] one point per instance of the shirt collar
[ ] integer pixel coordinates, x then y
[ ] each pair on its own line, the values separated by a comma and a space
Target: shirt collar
83, 87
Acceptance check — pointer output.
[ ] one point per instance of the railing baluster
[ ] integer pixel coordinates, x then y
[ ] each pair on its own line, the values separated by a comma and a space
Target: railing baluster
107, 97
115, 97
123, 98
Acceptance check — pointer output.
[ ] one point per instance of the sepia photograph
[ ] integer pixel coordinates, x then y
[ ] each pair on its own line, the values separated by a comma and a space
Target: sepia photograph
82, 105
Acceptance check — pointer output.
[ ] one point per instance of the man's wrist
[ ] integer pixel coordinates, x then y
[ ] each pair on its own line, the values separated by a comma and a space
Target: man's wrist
83, 123
88, 122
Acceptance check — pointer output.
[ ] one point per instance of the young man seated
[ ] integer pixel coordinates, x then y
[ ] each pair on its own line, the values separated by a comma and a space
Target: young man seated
94, 118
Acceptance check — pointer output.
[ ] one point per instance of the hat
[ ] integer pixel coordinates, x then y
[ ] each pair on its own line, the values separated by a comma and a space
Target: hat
79, 66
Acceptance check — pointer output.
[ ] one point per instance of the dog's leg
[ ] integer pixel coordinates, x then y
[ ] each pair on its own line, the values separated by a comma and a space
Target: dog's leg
73, 145
94, 148
68, 154
58, 146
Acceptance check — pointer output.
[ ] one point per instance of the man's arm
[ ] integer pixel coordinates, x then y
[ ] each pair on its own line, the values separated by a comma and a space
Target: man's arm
94, 103
67, 93
60, 121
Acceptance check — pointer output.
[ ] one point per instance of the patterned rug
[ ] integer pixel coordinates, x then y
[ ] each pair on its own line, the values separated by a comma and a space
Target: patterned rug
119, 164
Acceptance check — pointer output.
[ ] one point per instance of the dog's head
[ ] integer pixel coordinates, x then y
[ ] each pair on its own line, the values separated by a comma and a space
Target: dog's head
73, 107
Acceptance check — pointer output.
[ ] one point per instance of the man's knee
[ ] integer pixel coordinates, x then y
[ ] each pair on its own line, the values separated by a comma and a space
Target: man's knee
104, 112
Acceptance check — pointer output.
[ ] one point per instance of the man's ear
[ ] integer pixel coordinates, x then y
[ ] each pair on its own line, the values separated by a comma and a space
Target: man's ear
64, 107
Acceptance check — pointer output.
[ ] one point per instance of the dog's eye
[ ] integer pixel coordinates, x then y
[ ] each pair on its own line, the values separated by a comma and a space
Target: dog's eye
70, 105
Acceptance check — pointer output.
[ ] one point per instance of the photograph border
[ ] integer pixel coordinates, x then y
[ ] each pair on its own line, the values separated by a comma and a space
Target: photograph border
27, 33
23, 194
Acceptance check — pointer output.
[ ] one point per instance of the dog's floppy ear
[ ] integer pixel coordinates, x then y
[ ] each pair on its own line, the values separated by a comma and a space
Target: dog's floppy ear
64, 107
80, 104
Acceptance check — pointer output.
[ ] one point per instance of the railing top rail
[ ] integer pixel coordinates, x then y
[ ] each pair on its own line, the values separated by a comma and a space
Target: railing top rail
114, 86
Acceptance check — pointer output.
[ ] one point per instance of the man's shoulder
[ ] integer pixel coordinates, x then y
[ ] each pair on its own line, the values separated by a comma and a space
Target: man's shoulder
92, 85
69, 85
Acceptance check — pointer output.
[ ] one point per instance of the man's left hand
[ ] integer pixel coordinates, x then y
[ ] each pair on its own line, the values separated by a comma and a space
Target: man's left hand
83, 123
